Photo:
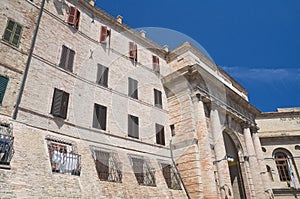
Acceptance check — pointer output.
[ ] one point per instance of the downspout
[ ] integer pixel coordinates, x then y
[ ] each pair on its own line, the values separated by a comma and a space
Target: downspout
28, 62
177, 171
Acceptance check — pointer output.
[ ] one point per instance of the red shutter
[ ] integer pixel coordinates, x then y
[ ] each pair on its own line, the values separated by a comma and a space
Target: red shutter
103, 34
135, 52
131, 50
155, 61
72, 15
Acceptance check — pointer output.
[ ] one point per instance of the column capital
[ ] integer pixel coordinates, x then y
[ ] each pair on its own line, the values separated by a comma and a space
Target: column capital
245, 125
254, 129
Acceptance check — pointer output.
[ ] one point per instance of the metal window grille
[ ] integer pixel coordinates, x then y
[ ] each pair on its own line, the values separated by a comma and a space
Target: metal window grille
145, 175
6, 144
171, 177
63, 159
109, 168
282, 166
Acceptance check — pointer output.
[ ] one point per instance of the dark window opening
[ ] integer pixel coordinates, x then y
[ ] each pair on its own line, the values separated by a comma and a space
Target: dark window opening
133, 51
60, 103
67, 58
133, 126
170, 176
160, 134
172, 127
12, 33
155, 63
3, 86
157, 98
102, 75
99, 117
132, 88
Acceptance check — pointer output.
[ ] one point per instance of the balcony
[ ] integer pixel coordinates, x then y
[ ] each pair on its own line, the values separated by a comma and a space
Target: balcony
6, 144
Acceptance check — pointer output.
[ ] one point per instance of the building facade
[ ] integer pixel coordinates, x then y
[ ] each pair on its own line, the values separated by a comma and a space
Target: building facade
106, 113
280, 137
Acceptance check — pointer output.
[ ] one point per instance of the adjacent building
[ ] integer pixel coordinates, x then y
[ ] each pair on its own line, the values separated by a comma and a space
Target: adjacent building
107, 113
280, 139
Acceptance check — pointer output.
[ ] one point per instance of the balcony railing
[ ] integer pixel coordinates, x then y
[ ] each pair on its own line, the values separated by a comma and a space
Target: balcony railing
6, 143
63, 162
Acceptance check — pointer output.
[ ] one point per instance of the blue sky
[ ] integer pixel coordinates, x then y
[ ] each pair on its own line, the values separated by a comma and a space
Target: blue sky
256, 42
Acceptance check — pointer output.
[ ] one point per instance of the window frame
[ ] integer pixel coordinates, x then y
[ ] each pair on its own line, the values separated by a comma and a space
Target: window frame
133, 126
12, 33
158, 98
67, 58
100, 117
133, 54
144, 173
155, 64
160, 134
133, 88
282, 166
171, 176
102, 79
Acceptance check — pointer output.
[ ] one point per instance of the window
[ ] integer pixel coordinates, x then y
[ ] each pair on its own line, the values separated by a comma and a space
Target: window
172, 127
157, 98
6, 143
283, 166
99, 118
145, 175
102, 75
63, 158
67, 58
133, 51
155, 63
73, 17
108, 166
3, 85
132, 88
104, 34
160, 134
133, 126
60, 103
170, 176
12, 33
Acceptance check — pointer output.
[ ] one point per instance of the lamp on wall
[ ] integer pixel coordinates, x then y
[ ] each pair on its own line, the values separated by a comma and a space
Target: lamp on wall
227, 157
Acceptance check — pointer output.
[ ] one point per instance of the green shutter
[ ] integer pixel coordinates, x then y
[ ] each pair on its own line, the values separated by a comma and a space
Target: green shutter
3, 85
12, 33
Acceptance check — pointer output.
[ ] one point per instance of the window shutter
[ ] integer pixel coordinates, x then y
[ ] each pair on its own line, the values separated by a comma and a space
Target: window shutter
71, 60
72, 15
102, 75
103, 117
3, 85
131, 50
17, 35
99, 118
105, 77
64, 57
135, 52
9, 30
60, 103
155, 61
103, 34
64, 105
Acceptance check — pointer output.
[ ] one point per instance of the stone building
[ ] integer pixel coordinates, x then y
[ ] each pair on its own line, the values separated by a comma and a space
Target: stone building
107, 113
280, 139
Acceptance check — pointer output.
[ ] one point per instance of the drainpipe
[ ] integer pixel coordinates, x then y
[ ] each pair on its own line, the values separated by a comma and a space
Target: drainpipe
28, 61
177, 171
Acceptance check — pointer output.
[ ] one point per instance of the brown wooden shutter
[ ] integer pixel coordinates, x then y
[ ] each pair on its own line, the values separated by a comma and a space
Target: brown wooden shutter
60, 103
71, 60
64, 105
155, 61
72, 15
135, 53
131, 50
64, 57
103, 34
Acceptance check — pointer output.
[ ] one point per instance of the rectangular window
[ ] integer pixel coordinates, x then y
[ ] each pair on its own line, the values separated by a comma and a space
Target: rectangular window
160, 134
170, 176
60, 103
133, 126
143, 172
6, 143
104, 34
102, 75
63, 159
132, 88
73, 17
99, 118
155, 63
157, 98
12, 33
67, 58
3, 85
172, 127
133, 51
108, 166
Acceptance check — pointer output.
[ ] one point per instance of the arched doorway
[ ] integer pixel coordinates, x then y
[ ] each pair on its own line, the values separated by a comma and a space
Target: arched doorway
235, 171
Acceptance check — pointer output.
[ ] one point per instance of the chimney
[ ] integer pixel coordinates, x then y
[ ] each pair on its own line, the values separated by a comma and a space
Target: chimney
166, 48
120, 19
92, 2
143, 33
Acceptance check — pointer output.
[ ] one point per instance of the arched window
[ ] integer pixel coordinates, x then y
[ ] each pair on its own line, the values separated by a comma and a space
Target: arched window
283, 166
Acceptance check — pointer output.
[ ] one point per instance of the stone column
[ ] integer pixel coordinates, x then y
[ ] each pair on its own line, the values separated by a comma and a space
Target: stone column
206, 161
220, 151
262, 165
254, 168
